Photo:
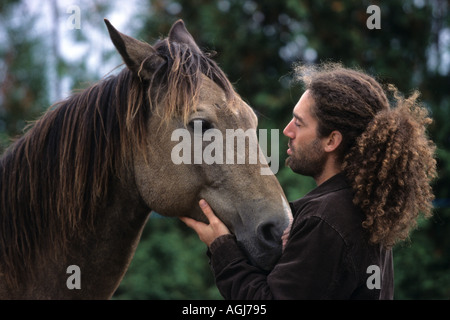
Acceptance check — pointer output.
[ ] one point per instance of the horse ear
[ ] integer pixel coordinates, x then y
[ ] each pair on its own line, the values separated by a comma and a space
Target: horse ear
178, 33
135, 52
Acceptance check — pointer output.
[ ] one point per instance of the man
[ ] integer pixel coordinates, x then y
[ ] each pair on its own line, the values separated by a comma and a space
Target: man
372, 163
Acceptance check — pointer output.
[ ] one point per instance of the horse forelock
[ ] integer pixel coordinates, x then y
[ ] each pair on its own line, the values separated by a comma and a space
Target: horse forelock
175, 85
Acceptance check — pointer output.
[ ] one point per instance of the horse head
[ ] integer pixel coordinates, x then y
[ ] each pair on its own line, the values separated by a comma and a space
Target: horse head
195, 119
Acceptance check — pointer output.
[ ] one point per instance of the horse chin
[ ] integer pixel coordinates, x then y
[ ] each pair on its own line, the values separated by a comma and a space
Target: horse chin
265, 244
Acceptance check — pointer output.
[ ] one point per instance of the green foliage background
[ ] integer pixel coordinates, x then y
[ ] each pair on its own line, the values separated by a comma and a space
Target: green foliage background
257, 44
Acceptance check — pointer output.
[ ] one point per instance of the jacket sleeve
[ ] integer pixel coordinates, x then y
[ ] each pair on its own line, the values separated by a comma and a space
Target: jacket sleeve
236, 278
314, 265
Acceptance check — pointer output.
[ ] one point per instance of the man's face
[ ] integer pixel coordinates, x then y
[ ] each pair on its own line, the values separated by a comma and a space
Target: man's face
306, 154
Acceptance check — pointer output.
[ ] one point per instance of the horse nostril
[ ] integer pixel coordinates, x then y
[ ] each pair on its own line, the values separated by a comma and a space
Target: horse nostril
270, 234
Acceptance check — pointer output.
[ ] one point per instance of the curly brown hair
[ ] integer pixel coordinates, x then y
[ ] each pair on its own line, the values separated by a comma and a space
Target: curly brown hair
386, 154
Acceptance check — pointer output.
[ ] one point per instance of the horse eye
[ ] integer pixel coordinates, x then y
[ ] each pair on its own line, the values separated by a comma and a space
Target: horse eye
200, 123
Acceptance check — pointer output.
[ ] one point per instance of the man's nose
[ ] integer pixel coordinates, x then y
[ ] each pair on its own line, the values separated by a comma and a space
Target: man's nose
288, 132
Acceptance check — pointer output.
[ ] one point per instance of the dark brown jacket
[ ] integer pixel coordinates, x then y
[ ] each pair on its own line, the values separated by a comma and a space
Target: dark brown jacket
327, 255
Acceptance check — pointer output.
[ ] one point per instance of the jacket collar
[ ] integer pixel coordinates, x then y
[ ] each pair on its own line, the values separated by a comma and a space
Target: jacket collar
335, 183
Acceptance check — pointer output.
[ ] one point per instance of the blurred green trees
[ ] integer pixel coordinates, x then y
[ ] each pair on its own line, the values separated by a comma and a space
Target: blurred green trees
24, 85
257, 43
169, 264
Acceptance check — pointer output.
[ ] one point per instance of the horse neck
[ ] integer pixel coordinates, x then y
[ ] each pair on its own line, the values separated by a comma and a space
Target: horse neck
117, 212
105, 256
102, 257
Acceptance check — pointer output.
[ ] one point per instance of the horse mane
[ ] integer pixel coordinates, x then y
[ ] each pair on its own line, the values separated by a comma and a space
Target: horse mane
57, 175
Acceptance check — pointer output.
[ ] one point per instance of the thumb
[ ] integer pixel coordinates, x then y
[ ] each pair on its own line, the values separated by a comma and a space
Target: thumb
209, 213
214, 221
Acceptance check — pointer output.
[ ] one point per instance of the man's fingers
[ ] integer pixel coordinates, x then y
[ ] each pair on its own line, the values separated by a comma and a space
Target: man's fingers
191, 223
206, 210
214, 221
207, 232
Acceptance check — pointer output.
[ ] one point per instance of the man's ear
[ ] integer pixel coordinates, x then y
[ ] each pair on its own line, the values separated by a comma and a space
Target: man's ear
140, 57
333, 141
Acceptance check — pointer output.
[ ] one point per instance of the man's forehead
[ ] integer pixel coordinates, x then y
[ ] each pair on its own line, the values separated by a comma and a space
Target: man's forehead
303, 107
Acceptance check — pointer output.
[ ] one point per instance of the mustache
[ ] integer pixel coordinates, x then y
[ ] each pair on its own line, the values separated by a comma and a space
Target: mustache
290, 145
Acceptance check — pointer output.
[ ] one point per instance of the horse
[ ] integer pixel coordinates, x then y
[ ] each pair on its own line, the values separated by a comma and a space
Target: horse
77, 188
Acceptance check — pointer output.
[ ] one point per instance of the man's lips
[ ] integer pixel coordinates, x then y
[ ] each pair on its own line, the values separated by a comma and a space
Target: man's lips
289, 150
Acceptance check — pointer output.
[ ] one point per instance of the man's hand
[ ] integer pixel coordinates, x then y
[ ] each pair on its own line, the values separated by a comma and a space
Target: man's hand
207, 232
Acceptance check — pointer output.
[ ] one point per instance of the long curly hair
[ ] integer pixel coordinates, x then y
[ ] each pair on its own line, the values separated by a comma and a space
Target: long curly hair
386, 154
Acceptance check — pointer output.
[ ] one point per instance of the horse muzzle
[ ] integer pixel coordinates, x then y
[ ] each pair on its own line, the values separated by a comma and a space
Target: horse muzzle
265, 244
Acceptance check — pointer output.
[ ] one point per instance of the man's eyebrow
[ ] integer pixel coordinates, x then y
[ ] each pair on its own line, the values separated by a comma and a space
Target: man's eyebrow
296, 116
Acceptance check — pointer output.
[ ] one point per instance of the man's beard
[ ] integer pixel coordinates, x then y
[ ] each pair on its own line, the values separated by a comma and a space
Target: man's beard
309, 161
